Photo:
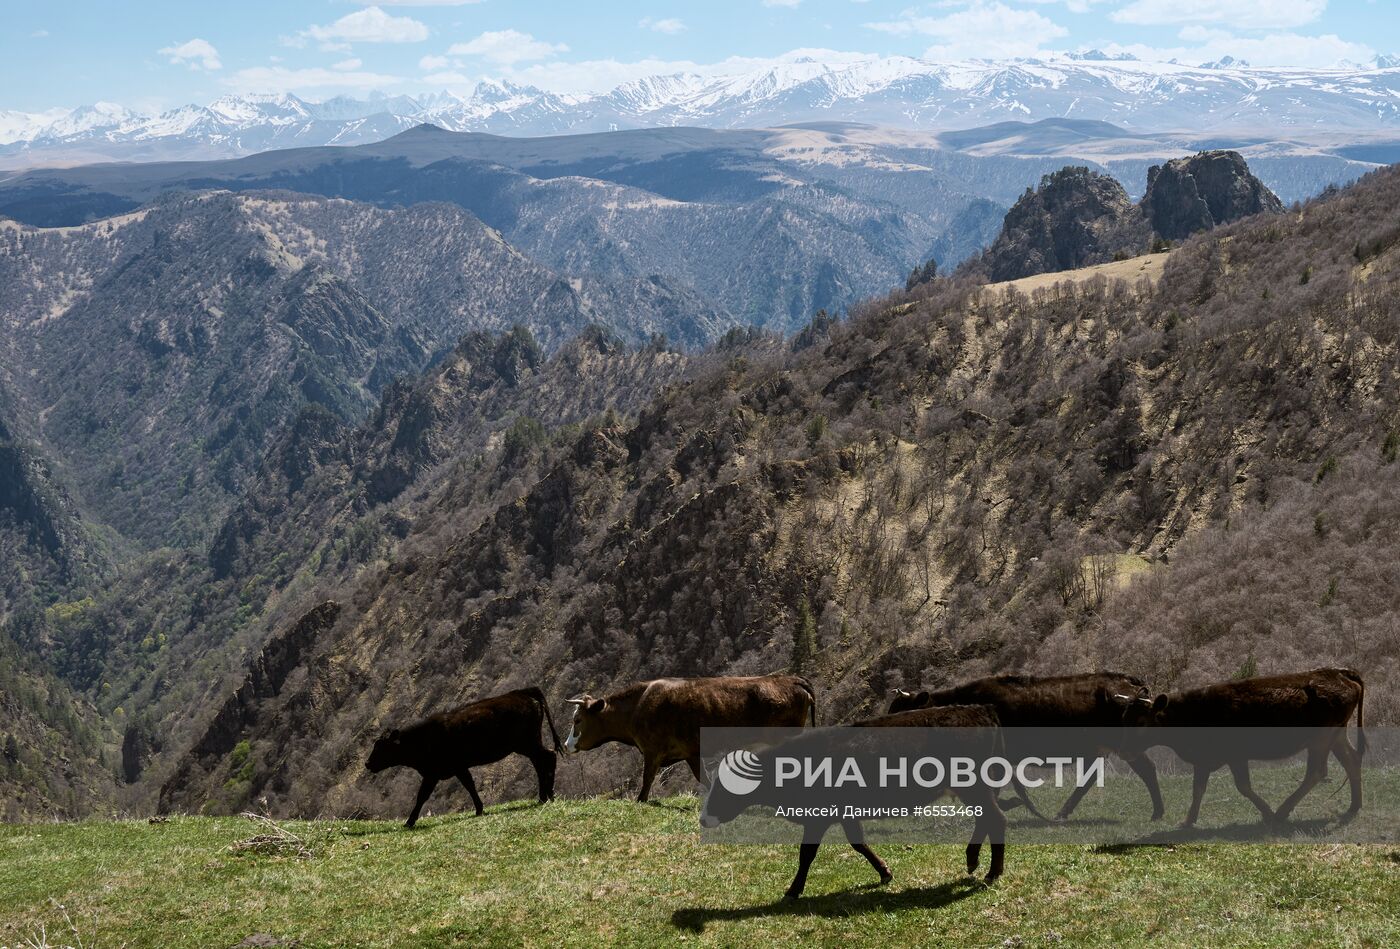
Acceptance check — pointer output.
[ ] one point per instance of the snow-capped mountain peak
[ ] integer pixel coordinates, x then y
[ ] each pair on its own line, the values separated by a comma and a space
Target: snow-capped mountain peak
1224, 95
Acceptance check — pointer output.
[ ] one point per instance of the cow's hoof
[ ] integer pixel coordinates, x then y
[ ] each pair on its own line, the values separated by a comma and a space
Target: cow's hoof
886, 878
992, 877
791, 897
1158, 815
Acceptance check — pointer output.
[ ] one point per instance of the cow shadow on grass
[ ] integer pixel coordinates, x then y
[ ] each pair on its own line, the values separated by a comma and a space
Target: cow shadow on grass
1243, 832
869, 898
1042, 823
370, 828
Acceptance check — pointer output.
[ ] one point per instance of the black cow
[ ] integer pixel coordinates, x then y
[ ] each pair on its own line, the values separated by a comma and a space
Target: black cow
1258, 719
971, 732
1090, 701
448, 744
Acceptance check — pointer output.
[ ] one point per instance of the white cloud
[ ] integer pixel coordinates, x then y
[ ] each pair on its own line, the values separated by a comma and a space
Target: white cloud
433, 62
196, 53
1073, 6
282, 79
347, 65
790, 4
1240, 14
39, 34
370, 25
427, 3
670, 25
448, 80
981, 30
507, 47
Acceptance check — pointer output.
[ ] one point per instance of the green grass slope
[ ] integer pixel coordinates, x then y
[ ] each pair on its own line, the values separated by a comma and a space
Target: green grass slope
601, 872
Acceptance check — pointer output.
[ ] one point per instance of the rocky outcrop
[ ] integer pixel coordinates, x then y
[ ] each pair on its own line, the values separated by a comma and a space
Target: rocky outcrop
1075, 218
1193, 194
264, 680
1078, 217
315, 439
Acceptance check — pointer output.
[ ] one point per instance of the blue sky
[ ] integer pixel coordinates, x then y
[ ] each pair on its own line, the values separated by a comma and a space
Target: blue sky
155, 54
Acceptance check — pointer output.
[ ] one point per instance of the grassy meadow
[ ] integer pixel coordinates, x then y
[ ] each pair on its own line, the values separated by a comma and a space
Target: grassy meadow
613, 872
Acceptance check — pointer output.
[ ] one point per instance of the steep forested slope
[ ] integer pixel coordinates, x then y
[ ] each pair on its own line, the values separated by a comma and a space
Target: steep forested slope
155, 356
329, 502
955, 482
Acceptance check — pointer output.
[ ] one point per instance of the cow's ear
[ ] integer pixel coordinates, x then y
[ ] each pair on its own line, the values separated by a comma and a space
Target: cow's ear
595, 706
1159, 704
922, 698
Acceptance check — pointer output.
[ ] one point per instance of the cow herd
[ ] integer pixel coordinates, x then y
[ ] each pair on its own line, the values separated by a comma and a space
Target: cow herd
1061, 715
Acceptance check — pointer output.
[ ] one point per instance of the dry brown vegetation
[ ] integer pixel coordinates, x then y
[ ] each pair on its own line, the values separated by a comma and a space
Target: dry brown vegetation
950, 483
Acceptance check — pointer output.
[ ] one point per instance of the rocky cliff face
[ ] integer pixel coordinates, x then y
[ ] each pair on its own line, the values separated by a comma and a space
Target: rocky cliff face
1193, 194
1078, 217
266, 677
1070, 221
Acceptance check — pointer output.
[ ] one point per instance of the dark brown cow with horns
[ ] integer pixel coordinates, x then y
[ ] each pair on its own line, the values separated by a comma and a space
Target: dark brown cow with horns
662, 718
1066, 703
1260, 719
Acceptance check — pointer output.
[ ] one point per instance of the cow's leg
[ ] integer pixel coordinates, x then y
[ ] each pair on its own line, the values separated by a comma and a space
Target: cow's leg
424, 791
996, 829
1240, 770
1024, 796
1199, 780
1317, 770
545, 763
856, 835
697, 768
1144, 768
974, 846
1075, 797
465, 776
991, 822
805, 855
1351, 762
649, 769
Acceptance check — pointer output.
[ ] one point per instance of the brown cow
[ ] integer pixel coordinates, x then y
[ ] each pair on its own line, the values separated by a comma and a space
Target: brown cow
1072, 702
971, 731
662, 718
448, 744
1284, 714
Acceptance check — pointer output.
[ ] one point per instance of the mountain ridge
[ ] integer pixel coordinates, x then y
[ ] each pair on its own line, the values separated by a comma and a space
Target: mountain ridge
897, 91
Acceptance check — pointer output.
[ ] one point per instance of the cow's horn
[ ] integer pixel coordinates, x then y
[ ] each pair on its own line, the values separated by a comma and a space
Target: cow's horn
1125, 699
577, 701
899, 692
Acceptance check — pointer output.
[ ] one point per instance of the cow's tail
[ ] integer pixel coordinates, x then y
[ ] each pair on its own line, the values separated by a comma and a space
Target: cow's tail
811, 691
538, 696
1355, 676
